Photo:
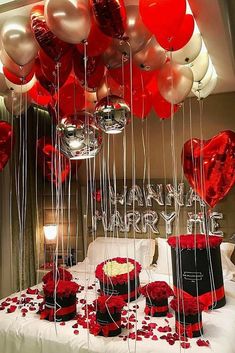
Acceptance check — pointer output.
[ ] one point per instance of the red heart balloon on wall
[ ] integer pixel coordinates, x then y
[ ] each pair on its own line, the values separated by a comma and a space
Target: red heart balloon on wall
6, 143
54, 165
209, 166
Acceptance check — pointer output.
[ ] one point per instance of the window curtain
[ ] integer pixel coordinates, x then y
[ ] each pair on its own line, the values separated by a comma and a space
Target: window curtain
20, 183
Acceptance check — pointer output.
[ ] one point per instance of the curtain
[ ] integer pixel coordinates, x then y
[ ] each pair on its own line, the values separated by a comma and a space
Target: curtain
20, 209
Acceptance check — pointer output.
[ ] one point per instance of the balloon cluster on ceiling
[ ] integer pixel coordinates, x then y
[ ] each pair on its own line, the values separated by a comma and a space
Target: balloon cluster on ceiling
92, 64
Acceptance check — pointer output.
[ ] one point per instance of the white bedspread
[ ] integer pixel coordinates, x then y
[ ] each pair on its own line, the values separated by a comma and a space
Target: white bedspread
29, 334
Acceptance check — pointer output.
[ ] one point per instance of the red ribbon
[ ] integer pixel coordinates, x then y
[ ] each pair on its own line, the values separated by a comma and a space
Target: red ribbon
187, 329
49, 313
97, 329
207, 298
155, 309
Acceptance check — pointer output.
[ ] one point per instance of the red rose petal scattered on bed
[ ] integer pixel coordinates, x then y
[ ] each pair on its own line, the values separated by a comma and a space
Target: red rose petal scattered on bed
90, 287
23, 295
62, 323
124, 312
144, 322
14, 300
147, 318
185, 345
2, 308
8, 300
32, 291
32, 308
82, 301
39, 296
184, 338
75, 326
5, 304
76, 332
171, 341
11, 309
202, 343
152, 325
163, 337
155, 338
24, 310
169, 315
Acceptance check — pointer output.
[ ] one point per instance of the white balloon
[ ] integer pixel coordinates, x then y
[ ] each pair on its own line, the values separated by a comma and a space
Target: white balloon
199, 66
21, 88
204, 81
206, 90
189, 52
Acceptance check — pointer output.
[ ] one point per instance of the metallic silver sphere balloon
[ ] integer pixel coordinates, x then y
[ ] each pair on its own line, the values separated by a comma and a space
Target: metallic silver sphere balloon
112, 114
79, 136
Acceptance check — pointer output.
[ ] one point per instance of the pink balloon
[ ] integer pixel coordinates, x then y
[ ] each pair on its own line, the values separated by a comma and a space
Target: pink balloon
175, 82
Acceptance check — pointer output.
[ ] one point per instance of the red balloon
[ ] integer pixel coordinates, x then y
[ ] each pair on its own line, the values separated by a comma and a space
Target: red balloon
53, 46
40, 95
97, 196
49, 160
209, 166
50, 68
6, 143
110, 16
124, 75
94, 71
181, 37
141, 102
163, 108
16, 79
71, 97
42, 79
97, 41
163, 16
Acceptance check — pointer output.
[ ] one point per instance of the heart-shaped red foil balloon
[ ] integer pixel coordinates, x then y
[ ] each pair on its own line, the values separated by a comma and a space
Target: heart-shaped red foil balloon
54, 165
53, 46
209, 166
6, 143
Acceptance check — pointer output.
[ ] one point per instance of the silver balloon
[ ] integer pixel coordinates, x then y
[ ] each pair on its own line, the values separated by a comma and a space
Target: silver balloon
16, 103
136, 34
116, 198
79, 136
151, 57
168, 218
116, 222
135, 195
18, 40
214, 225
150, 193
112, 114
69, 20
132, 220
176, 195
149, 220
192, 197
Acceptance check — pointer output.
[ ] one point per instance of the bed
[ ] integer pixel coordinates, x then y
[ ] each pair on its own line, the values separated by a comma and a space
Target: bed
21, 331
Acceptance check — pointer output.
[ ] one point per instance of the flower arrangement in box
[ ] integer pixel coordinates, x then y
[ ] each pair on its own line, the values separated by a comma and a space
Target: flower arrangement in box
60, 300
188, 316
56, 274
117, 276
157, 294
108, 316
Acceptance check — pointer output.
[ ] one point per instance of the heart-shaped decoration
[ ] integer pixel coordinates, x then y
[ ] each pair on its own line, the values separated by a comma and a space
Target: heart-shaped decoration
53, 46
49, 160
114, 268
6, 143
209, 166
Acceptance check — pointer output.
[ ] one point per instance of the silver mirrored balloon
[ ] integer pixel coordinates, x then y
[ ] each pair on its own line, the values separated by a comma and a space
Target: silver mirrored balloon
112, 114
79, 137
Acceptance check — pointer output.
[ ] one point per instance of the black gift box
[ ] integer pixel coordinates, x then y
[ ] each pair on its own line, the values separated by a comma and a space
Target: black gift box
190, 325
62, 303
194, 271
106, 318
122, 289
158, 305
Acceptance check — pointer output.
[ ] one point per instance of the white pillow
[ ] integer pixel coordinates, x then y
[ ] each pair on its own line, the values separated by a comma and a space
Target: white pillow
227, 265
103, 248
164, 264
